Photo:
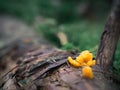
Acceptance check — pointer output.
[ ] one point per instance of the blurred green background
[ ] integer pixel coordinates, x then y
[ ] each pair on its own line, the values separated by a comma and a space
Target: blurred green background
81, 21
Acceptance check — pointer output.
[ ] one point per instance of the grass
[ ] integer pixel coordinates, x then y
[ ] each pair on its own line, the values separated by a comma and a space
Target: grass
81, 35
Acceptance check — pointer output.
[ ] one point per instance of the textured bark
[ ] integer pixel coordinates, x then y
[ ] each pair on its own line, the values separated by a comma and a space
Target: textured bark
46, 68
109, 39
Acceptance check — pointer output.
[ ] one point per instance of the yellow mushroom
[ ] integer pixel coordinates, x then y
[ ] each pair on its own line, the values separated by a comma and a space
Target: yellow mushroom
91, 62
84, 60
87, 72
87, 56
80, 60
94, 62
73, 62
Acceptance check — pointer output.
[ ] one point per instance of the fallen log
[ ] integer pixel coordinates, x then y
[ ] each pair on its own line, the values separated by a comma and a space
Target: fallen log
47, 68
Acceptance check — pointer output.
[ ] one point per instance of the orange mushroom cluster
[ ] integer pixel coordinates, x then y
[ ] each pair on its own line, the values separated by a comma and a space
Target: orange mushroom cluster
85, 60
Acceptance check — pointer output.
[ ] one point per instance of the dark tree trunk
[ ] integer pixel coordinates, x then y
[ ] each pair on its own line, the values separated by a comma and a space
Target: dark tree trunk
109, 39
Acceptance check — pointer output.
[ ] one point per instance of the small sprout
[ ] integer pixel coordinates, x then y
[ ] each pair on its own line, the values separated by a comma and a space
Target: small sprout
87, 72
73, 62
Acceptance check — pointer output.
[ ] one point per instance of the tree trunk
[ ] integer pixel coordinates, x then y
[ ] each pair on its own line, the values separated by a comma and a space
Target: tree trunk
109, 39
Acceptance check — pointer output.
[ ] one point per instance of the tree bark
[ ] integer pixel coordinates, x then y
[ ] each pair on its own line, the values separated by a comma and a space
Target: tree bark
109, 39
